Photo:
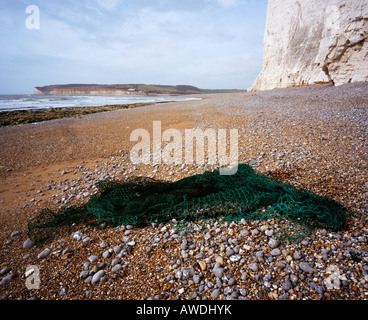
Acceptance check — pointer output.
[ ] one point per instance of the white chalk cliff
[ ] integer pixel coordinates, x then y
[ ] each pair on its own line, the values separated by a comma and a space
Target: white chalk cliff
312, 41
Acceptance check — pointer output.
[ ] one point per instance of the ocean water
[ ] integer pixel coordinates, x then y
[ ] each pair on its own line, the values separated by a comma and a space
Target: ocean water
38, 102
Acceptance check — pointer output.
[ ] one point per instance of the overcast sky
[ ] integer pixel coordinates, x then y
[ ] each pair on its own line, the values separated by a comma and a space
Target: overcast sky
210, 44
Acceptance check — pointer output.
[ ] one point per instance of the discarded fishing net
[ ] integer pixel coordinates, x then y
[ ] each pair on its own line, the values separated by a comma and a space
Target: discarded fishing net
247, 194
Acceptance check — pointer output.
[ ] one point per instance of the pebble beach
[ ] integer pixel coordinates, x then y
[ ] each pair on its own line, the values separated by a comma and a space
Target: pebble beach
312, 137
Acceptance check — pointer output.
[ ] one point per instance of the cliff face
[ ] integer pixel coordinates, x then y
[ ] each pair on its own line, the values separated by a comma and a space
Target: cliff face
311, 41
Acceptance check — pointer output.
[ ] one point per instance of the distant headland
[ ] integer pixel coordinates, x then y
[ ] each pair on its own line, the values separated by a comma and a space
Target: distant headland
123, 89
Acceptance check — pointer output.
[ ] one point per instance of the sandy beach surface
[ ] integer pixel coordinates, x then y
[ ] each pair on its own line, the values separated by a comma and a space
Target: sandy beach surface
313, 137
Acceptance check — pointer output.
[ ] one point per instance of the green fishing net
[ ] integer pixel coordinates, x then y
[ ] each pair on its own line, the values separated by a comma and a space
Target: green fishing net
247, 194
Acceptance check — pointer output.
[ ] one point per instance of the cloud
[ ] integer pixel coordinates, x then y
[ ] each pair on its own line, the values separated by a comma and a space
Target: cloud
227, 3
208, 43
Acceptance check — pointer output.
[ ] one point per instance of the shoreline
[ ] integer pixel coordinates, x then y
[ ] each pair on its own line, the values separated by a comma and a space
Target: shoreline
311, 137
16, 117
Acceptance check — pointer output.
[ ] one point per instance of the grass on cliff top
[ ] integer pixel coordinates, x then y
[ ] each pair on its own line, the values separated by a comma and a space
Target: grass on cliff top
30, 116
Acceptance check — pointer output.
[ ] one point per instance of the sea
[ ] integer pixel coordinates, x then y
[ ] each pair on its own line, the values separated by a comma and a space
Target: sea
39, 102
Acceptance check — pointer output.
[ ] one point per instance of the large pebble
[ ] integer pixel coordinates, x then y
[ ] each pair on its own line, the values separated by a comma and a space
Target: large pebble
116, 268
253, 266
217, 271
44, 253
273, 243
276, 252
28, 244
202, 265
215, 293
6, 280
106, 254
235, 258
97, 276
259, 256
93, 258
306, 267
196, 278
4, 271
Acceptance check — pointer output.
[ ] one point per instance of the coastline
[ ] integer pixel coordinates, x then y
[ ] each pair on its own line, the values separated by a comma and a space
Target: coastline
10, 118
311, 137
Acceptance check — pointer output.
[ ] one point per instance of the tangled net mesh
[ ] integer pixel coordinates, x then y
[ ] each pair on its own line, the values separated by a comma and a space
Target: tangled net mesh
247, 194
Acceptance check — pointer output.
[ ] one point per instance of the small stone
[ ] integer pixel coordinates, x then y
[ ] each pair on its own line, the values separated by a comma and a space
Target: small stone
269, 233
62, 291
207, 236
87, 239
306, 267
4, 271
286, 286
227, 291
178, 275
184, 254
15, 233
215, 293
273, 243
44, 253
28, 244
220, 260
196, 278
244, 233
297, 255
294, 279
131, 243
319, 289
243, 292
217, 271
92, 259
103, 244
115, 262
235, 258
106, 254
202, 265
259, 256
6, 280
116, 268
276, 252
126, 239
253, 266
97, 276
77, 235
231, 282
193, 295
117, 249
187, 273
